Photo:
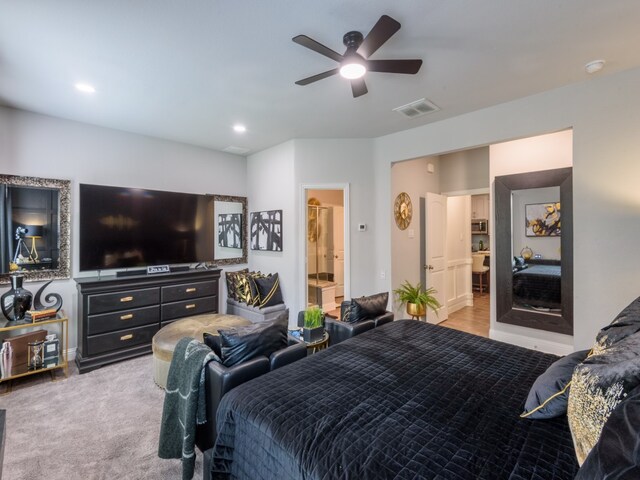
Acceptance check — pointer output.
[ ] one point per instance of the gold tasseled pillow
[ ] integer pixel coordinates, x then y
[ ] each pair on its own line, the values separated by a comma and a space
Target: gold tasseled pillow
598, 385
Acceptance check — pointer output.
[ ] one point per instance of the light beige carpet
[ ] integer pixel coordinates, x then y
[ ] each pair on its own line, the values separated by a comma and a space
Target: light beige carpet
100, 425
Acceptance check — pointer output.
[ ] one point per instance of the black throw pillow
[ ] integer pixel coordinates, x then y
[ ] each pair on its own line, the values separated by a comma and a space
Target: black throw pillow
231, 282
366, 308
616, 455
626, 323
269, 290
240, 344
213, 342
549, 394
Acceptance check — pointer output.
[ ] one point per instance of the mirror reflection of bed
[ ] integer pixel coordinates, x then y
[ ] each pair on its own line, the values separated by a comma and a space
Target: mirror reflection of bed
537, 265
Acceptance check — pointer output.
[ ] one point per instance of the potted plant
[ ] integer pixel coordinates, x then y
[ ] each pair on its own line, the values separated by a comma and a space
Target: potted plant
313, 329
417, 299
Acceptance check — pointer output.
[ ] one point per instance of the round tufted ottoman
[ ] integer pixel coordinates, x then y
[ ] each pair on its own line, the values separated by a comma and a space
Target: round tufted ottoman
164, 342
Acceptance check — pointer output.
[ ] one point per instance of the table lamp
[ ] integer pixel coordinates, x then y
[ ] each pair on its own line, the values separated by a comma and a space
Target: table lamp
33, 232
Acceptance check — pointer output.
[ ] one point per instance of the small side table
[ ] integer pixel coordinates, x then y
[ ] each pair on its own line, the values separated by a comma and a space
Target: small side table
323, 343
60, 322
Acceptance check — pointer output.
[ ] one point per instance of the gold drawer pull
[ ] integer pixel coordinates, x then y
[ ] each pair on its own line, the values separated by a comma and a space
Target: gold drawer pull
190, 290
128, 316
126, 299
191, 305
126, 337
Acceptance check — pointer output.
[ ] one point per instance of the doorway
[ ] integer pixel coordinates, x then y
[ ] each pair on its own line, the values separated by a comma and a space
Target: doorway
326, 247
443, 240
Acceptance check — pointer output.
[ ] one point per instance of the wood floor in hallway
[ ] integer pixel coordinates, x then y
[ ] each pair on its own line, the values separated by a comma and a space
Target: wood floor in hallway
474, 319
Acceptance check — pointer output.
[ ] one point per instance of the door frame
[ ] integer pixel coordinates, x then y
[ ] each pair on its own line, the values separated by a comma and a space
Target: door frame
302, 234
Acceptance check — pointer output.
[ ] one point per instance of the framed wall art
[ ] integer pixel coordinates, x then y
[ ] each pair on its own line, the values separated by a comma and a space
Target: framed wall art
543, 219
266, 230
230, 230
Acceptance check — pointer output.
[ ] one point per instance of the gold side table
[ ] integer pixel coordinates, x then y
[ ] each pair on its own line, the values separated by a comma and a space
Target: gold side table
9, 328
313, 347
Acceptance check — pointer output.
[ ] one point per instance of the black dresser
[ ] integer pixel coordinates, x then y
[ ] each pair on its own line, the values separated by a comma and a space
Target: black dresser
118, 316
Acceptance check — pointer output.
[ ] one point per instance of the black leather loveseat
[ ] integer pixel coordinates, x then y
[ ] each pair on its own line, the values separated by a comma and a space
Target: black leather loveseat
340, 329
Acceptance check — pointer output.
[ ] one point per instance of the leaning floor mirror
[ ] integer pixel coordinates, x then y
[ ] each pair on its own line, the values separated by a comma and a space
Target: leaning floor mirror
34, 228
534, 250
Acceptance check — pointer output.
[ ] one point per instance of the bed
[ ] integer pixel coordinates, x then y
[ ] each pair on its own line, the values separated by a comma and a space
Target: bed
407, 400
538, 286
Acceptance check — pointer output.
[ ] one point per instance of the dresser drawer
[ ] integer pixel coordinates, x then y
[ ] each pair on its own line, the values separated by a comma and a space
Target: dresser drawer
131, 337
186, 291
125, 300
108, 322
189, 307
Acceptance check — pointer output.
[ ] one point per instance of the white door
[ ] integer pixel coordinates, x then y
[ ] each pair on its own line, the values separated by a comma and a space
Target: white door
338, 250
435, 245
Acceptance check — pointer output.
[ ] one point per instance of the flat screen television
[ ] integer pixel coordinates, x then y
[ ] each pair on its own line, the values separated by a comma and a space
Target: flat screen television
132, 227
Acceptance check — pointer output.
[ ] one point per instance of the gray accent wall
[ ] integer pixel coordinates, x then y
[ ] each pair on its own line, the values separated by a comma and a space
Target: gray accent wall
465, 170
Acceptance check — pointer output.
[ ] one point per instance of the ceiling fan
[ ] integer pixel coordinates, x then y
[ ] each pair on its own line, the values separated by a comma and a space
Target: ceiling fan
355, 61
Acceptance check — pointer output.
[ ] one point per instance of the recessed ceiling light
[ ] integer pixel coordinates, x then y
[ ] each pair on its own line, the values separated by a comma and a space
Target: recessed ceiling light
85, 88
595, 66
239, 128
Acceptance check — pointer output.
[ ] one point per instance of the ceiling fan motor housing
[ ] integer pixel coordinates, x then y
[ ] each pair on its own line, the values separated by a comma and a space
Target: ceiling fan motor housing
352, 40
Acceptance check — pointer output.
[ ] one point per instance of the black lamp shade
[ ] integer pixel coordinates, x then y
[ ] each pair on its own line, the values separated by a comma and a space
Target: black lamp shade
34, 231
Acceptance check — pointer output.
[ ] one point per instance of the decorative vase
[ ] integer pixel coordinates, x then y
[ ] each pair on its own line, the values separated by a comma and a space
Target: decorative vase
16, 301
415, 310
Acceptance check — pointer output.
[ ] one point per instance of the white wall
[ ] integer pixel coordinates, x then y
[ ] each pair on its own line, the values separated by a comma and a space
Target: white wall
548, 247
336, 161
41, 146
271, 186
411, 177
458, 246
604, 113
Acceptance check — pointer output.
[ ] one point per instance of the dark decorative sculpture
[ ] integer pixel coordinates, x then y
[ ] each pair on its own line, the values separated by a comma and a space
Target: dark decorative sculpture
18, 300
49, 298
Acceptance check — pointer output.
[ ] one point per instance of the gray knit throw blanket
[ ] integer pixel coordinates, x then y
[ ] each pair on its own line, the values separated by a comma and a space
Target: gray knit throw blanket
184, 403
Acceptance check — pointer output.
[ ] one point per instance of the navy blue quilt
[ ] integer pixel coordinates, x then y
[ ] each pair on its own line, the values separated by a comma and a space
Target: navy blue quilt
406, 400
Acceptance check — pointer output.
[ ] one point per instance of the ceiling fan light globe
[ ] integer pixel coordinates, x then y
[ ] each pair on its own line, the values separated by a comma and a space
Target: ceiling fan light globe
352, 71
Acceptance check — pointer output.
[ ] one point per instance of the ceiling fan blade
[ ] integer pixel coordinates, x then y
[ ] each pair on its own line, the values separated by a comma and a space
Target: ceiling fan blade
317, 47
394, 66
358, 87
382, 31
315, 78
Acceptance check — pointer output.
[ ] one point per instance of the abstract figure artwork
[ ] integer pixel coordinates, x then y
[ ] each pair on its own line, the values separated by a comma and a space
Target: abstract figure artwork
230, 230
266, 230
543, 220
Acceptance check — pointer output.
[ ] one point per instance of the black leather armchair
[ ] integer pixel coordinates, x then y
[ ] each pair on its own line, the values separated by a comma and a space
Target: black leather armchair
220, 379
339, 331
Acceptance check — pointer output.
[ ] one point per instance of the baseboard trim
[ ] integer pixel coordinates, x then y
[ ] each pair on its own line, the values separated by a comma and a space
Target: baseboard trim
71, 354
546, 346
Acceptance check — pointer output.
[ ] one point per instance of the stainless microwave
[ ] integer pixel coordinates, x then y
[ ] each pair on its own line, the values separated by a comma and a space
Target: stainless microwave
479, 227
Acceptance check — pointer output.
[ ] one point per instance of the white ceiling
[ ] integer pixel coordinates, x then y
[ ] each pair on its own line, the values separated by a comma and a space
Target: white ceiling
189, 70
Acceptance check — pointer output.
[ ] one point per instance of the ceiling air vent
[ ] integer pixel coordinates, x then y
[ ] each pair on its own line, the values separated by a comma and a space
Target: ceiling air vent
417, 108
236, 150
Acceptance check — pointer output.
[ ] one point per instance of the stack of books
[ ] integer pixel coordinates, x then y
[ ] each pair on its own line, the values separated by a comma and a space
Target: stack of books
37, 315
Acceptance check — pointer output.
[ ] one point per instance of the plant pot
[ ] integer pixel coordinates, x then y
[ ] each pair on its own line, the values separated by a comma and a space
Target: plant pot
415, 310
311, 335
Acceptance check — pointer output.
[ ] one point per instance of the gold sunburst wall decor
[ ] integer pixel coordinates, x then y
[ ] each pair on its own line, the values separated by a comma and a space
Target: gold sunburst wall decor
402, 210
